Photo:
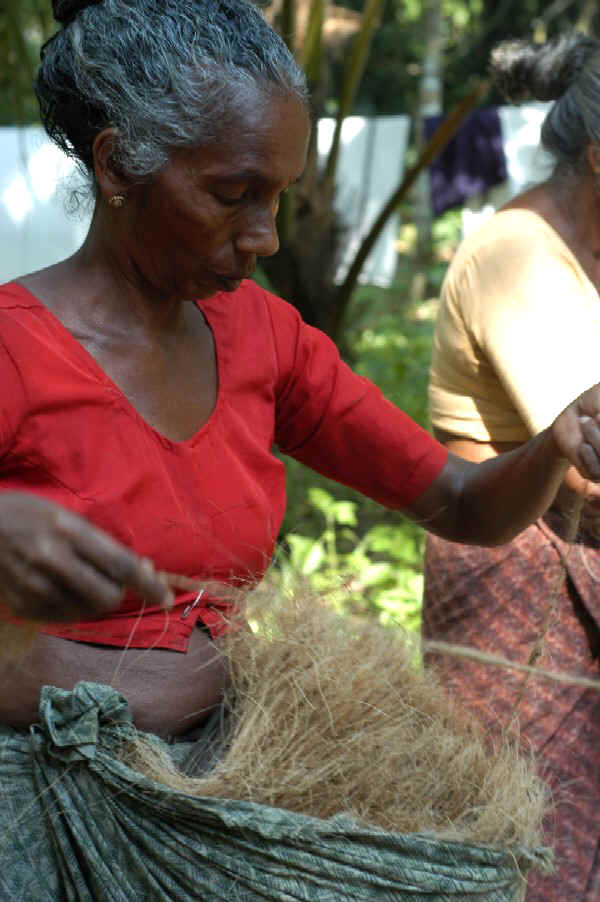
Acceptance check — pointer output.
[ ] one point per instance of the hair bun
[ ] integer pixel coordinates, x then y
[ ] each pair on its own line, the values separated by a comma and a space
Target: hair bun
65, 10
523, 70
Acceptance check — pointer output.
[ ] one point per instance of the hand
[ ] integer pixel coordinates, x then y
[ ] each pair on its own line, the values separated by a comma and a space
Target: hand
576, 434
56, 566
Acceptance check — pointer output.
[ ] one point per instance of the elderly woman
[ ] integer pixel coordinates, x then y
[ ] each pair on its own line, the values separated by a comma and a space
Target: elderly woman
146, 380
518, 334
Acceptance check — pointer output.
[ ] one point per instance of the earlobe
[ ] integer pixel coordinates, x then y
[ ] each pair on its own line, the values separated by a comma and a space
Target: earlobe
593, 156
110, 182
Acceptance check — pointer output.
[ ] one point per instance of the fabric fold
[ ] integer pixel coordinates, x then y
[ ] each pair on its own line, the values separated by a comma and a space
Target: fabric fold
79, 824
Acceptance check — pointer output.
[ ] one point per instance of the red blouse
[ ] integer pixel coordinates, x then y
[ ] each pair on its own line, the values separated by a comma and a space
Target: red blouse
210, 507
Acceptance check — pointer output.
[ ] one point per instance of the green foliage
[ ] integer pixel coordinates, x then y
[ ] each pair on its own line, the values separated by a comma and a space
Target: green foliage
376, 574
391, 80
397, 360
473, 27
366, 559
24, 26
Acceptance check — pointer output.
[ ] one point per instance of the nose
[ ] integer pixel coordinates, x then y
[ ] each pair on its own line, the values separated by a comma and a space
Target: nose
259, 234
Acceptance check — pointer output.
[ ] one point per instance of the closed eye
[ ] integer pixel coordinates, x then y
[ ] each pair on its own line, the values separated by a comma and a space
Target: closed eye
228, 200
231, 201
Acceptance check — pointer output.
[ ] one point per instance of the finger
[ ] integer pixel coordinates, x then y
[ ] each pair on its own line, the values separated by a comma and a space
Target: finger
63, 585
590, 428
38, 596
80, 592
590, 462
117, 562
149, 572
589, 450
588, 403
128, 569
92, 590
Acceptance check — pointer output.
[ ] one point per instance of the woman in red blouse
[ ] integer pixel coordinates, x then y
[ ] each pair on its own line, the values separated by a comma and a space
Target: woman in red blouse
145, 380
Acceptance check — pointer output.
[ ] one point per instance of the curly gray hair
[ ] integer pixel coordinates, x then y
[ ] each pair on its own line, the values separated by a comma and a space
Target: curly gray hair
164, 73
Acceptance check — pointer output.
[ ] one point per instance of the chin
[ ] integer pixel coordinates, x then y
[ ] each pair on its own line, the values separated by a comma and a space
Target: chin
195, 292
228, 285
234, 287
201, 294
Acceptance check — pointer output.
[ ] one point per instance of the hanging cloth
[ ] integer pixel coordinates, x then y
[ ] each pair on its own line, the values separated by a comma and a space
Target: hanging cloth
471, 162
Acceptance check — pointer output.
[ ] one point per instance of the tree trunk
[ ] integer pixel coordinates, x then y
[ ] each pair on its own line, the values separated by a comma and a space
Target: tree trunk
430, 104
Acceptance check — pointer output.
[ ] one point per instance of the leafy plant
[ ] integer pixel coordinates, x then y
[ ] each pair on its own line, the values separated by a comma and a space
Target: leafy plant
366, 559
378, 574
24, 25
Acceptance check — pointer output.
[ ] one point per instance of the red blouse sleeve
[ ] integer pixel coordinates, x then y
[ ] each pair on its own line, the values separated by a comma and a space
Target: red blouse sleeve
339, 423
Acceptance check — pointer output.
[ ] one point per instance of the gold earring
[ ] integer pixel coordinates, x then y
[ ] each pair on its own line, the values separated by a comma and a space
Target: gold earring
117, 200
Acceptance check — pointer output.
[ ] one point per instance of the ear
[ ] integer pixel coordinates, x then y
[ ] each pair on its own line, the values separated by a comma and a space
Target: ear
592, 152
109, 180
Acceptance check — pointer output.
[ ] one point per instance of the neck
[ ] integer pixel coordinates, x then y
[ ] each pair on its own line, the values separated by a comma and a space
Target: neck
575, 211
113, 294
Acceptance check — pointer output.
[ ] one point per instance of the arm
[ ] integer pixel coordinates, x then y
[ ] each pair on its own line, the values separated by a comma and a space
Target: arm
490, 502
339, 425
526, 321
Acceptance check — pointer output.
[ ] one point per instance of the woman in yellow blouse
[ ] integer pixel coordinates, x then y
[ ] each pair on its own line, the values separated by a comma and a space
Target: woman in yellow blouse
518, 333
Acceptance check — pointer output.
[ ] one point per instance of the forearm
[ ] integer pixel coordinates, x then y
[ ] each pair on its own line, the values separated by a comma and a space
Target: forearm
488, 503
504, 494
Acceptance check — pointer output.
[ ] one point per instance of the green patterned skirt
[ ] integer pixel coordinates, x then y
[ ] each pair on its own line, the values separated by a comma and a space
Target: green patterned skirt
78, 824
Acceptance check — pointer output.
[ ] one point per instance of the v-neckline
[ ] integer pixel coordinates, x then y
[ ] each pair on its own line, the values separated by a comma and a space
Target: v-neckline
92, 364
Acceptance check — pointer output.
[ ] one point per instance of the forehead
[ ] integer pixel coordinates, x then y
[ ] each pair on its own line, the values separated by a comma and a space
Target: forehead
264, 136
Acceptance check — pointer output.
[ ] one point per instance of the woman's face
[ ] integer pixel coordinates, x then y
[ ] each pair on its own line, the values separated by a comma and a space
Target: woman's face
201, 224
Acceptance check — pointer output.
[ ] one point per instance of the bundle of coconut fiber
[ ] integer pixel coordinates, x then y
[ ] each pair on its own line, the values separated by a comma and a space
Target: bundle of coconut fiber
336, 725
346, 774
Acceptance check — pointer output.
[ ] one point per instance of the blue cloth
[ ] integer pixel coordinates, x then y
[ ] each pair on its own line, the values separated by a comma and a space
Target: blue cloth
472, 161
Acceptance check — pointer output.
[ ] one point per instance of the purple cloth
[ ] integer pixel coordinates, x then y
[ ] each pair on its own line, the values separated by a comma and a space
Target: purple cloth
471, 162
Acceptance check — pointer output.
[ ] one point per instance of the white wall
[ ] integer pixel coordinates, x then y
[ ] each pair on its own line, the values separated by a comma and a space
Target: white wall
34, 183
370, 166
526, 161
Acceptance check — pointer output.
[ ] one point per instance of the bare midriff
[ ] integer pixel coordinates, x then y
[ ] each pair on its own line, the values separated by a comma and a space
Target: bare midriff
169, 693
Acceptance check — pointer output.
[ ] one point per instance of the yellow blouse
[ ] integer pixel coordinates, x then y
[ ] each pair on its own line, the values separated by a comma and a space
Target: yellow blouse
518, 332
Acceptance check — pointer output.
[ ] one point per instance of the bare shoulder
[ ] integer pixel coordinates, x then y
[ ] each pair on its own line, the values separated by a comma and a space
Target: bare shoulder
537, 199
52, 284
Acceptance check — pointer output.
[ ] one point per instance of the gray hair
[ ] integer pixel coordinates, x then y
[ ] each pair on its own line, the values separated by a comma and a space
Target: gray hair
566, 70
164, 73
